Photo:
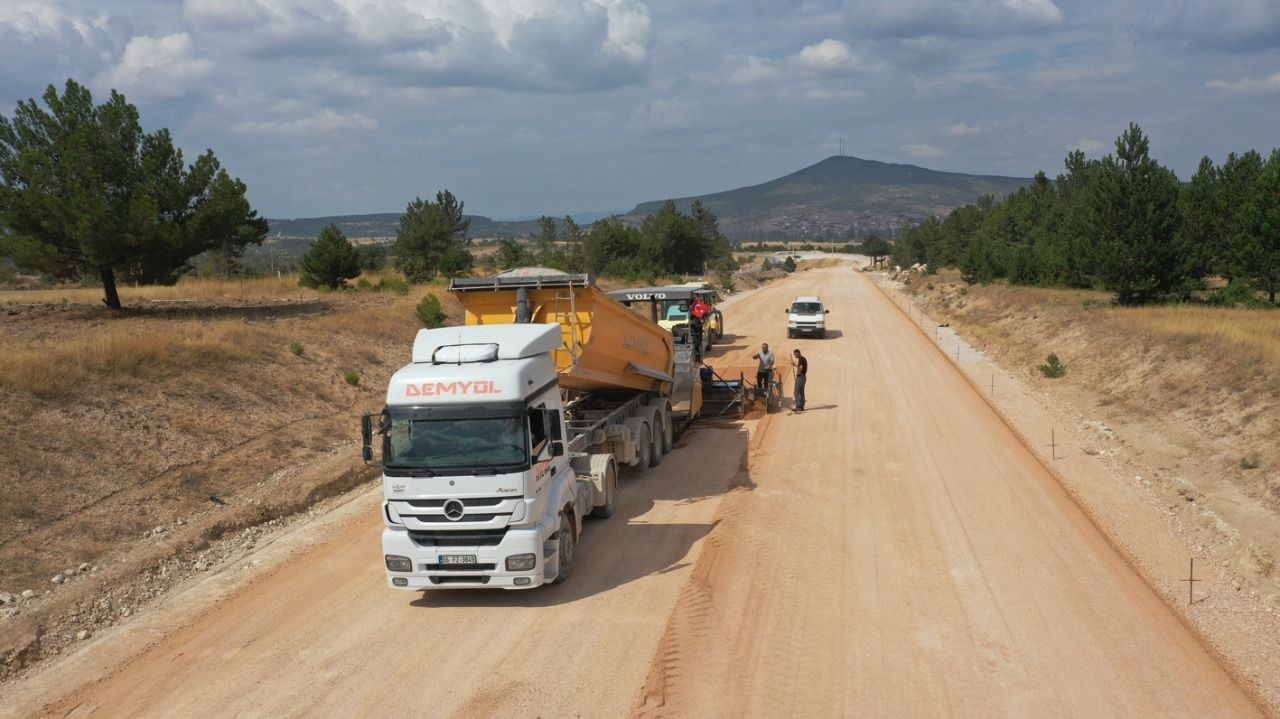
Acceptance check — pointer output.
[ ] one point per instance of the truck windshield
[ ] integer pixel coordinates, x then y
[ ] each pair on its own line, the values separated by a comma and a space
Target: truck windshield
452, 444
806, 308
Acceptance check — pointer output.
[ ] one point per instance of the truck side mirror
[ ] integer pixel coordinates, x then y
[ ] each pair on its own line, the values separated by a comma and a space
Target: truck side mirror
553, 422
826, 312
366, 436
557, 448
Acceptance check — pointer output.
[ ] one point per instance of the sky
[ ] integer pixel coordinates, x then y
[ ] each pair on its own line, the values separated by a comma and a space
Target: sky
526, 107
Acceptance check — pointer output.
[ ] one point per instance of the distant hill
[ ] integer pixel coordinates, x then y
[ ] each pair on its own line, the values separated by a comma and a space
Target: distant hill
841, 197
383, 225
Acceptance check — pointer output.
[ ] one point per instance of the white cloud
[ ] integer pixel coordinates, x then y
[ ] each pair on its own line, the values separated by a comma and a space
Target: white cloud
1248, 85
961, 129
1043, 12
157, 68
326, 121
44, 43
923, 151
830, 56
1088, 145
1231, 25
518, 44
749, 69
921, 18
665, 115
224, 14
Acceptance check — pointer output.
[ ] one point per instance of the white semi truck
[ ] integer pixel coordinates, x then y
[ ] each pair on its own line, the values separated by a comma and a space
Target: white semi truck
502, 436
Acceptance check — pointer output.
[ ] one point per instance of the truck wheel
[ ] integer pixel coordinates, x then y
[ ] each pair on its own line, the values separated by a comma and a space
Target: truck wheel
668, 431
644, 448
565, 548
606, 510
655, 454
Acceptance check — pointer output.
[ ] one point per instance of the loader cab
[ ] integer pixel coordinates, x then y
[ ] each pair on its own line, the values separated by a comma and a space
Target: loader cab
671, 308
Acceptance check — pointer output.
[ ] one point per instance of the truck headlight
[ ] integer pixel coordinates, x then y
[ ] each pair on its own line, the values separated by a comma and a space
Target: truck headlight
521, 562
398, 564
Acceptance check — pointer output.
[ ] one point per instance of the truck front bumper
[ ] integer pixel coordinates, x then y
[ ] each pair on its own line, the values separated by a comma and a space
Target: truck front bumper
489, 570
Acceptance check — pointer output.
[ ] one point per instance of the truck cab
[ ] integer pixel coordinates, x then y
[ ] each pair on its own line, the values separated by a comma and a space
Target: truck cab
478, 486
807, 316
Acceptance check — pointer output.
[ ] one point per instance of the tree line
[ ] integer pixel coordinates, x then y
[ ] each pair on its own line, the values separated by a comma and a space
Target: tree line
431, 241
1122, 223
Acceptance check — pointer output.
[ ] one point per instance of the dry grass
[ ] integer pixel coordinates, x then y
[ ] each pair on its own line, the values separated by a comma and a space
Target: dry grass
120, 352
1255, 330
188, 288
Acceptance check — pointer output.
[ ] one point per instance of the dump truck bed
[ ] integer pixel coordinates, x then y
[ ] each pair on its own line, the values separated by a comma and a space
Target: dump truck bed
605, 347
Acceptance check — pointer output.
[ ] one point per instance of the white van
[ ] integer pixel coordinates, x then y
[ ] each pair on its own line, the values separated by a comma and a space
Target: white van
807, 316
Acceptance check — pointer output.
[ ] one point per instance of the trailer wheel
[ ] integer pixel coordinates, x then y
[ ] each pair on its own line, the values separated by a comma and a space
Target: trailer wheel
644, 448
606, 510
668, 431
564, 548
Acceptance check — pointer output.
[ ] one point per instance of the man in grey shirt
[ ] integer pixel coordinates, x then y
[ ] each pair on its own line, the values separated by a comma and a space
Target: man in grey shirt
765, 371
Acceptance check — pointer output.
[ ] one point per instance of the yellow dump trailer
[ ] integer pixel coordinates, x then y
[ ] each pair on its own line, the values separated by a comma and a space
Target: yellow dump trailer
606, 346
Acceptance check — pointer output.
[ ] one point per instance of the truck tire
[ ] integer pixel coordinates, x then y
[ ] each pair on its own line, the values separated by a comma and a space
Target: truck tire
644, 448
607, 509
565, 547
668, 431
659, 431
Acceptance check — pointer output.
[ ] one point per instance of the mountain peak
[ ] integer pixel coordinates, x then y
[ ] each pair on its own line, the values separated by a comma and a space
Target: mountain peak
843, 196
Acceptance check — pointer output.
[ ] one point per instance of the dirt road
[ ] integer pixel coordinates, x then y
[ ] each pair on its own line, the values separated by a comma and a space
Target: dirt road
894, 551
900, 553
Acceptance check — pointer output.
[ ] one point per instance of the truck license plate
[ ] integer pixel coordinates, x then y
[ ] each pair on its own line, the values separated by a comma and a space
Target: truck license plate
456, 559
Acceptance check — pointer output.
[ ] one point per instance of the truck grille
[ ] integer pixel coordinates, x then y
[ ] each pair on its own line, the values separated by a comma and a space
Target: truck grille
467, 502
480, 579
459, 567
464, 538
466, 518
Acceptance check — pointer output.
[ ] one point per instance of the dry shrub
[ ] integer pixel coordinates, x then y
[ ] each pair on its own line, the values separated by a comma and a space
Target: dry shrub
119, 353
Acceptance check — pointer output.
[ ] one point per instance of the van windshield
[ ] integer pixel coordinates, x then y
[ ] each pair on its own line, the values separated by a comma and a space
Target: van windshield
806, 308
438, 443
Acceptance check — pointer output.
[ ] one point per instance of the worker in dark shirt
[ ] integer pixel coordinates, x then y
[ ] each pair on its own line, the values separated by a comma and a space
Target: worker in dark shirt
801, 365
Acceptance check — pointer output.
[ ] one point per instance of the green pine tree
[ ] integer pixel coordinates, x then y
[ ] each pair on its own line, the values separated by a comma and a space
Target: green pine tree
330, 262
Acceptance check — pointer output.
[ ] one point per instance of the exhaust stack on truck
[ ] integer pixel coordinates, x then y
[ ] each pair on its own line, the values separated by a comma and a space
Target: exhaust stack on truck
503, 435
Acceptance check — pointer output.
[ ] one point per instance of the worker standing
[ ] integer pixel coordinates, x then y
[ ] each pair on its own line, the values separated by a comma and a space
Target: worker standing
697, 322
764, 372
801, 365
